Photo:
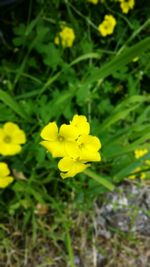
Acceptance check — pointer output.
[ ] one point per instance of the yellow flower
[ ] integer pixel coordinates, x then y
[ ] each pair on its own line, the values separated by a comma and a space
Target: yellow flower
107, 26
95, 2
58, 141
135, 175
140, 153
142, 175
80, 122
126, 5
66, 37
11, 138
5, 179
73, 143
72, 164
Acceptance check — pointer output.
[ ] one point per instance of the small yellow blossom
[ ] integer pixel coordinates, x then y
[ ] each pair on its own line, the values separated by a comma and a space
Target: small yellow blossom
107, 26
137, 174
95, 2
140, 153
58, 141
11, 138
5, 179
66, 37
126, 5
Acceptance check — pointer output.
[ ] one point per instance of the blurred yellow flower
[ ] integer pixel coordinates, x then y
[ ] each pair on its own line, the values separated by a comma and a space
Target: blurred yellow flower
95, 2
66, 37
11, 138
58, 141
137, 174
126, 5
140, 153
5, 179
107, 26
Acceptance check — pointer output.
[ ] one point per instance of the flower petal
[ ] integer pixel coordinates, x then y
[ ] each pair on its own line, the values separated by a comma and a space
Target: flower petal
77, 167
72, 149
69, 132
80, 122
10, 127
56, 148
50, 132
90, 142
4, 170
9, 149
2, 134
5, 181
65, 164
89, 156
18, 137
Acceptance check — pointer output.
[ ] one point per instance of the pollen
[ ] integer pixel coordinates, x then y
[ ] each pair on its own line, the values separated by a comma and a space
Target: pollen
61, 138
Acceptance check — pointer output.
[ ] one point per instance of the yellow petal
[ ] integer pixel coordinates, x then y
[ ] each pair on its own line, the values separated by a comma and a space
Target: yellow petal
69, 132
80, 122
90, 142
89, 156
19, 137
2, 134
4, 170
50, 132
10, 127
5, 181
72, 149
77, 167
56, 148
65, 164
9, 149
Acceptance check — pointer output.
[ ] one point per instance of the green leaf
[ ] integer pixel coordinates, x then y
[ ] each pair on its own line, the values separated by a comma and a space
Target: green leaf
12, 104
122, 110
103, 180
121, 60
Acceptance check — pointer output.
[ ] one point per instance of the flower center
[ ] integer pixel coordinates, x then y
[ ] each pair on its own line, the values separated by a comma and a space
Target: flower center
81, 145
60, 138
7, 139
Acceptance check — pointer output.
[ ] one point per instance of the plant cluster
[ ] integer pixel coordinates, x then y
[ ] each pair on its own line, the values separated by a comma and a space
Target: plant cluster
60, 58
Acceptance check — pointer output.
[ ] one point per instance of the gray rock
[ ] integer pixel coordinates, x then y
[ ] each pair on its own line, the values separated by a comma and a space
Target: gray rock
126, 209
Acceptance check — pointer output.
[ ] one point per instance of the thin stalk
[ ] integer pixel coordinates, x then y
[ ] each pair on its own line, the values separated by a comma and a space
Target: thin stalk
69, 247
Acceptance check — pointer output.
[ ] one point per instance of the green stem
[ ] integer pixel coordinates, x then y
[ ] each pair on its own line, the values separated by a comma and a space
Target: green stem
69, 247
101, 180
